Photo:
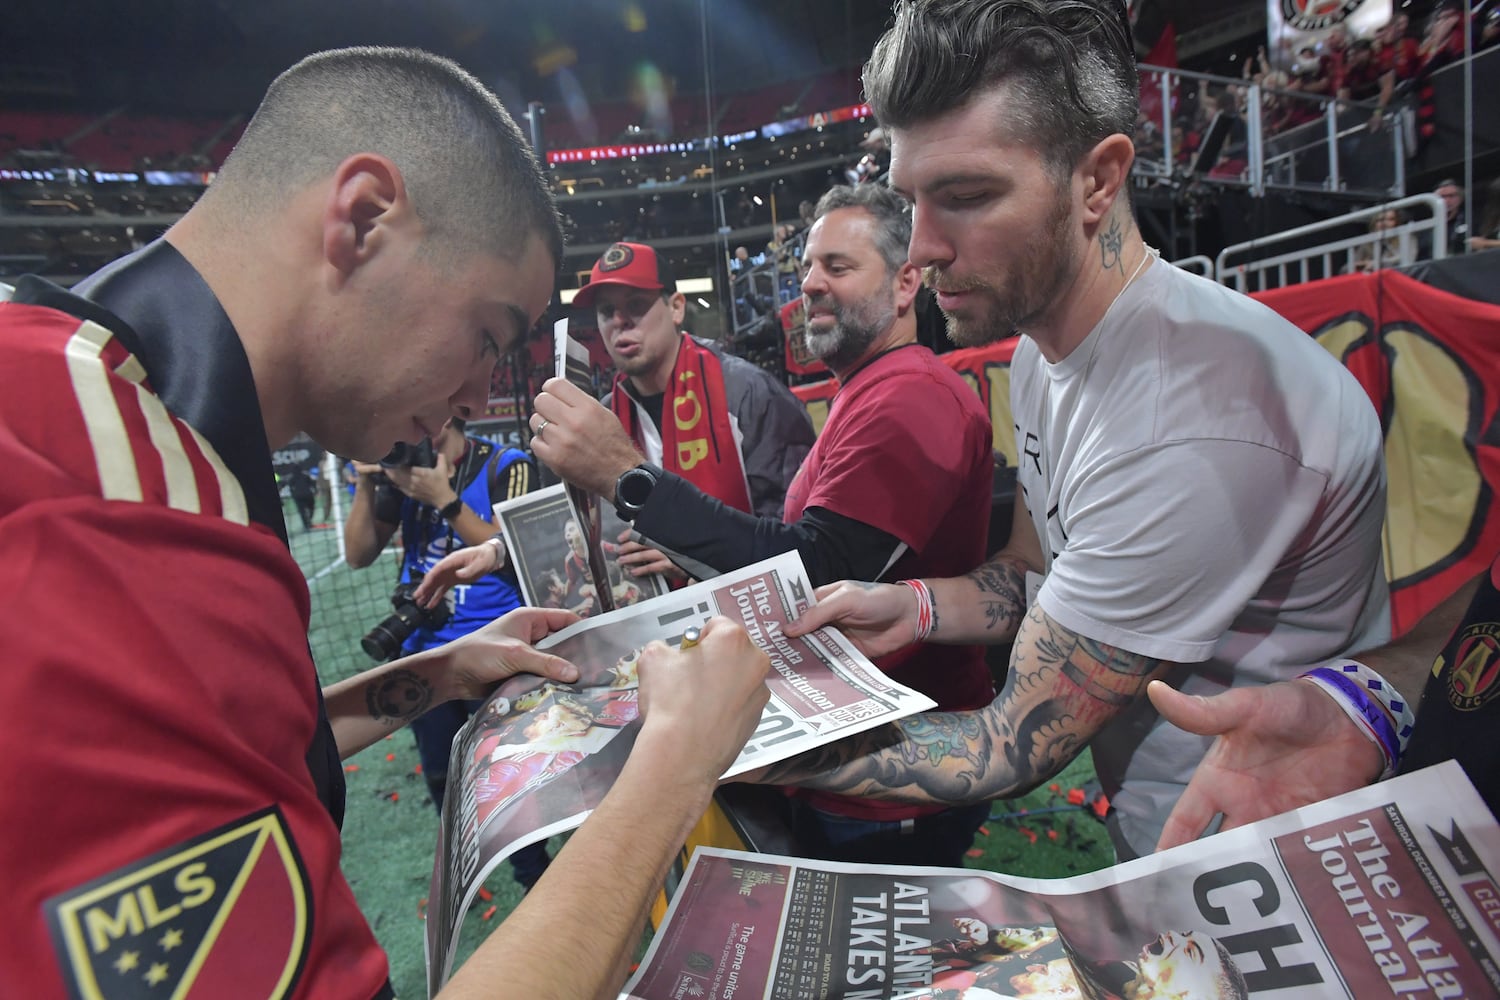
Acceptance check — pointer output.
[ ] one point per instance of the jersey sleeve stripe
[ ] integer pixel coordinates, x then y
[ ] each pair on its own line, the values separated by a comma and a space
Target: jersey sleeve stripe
178, 446
114, 459
177, 470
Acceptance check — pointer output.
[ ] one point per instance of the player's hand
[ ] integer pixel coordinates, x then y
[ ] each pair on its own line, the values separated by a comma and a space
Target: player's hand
705, 701
503, 648
1279, 747
579, 439
463, 566
879, 618
642, 560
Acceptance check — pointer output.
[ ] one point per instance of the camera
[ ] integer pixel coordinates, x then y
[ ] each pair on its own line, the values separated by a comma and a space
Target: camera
421, 455
384, 640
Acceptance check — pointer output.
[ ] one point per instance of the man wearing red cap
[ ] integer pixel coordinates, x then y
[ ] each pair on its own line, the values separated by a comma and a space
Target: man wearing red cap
718, 421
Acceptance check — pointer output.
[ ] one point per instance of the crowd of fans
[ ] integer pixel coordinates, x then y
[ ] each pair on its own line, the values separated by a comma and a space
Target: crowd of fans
1388, 70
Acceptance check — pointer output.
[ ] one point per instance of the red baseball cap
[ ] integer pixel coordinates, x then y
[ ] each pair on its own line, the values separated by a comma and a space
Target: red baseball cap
633, 265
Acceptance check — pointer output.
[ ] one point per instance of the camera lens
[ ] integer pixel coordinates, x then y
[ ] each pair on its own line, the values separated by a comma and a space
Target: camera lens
399, 457
383, 642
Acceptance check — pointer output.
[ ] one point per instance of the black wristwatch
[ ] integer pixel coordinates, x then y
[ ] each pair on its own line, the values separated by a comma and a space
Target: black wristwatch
633, 489
449, 511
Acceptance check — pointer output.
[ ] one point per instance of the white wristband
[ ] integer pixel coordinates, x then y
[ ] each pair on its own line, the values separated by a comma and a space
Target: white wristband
498, 544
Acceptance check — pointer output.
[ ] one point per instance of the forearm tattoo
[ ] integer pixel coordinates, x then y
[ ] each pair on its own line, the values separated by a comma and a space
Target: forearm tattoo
1002, 595
399, 696
1062, 689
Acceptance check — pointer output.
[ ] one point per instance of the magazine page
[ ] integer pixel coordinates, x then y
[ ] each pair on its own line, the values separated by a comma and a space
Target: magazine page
571, 360
1388, 891
548, 551
538, 756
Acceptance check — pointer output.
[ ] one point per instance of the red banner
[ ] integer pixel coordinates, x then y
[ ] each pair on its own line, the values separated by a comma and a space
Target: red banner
1431, 364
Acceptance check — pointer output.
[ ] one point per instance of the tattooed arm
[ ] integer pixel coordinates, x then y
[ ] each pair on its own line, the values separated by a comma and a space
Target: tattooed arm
367, 706
1061, 690
983, 606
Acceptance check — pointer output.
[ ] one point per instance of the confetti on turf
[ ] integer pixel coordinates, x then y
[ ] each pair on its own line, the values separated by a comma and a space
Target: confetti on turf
487, 914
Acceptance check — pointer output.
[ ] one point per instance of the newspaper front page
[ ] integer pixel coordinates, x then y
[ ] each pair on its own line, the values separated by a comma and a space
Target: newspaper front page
1387, 892
548, 551
538, 756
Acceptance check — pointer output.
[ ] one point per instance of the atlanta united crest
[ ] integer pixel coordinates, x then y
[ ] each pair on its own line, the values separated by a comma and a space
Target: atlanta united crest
617, 256
223, 914
1316, 15
1474, 678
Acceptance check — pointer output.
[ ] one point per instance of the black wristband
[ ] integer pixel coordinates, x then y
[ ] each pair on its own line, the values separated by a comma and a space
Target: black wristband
453, 509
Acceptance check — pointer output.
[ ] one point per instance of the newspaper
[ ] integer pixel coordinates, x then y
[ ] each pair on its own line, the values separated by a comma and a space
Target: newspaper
539, 756
548, 551
1388, 891
571, 361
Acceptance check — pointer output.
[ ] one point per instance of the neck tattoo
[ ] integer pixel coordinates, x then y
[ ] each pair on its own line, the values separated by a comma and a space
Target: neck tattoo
1148, 252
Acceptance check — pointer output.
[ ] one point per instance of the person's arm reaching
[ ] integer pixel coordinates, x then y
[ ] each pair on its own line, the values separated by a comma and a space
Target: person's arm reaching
698, 708
1287, 744
982, 606
583, 443
1061, 690
370, 526
366, 707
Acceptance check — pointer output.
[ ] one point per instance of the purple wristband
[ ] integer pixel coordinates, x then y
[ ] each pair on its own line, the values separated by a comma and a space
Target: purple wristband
1359, 705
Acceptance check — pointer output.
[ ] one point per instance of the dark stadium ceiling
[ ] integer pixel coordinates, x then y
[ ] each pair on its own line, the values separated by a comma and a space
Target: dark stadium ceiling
218, 55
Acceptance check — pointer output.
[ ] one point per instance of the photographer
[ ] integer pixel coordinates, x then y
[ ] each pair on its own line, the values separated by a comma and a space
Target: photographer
440, 495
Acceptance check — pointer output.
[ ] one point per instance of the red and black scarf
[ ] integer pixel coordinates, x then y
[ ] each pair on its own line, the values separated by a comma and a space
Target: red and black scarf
697, 442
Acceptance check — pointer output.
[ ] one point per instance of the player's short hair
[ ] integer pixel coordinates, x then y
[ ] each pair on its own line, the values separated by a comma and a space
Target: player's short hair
891, 214
1069, 66
468, 169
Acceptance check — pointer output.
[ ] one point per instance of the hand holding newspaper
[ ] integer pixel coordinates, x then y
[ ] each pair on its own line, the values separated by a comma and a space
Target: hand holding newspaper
571, 362
1388, 891
539, 756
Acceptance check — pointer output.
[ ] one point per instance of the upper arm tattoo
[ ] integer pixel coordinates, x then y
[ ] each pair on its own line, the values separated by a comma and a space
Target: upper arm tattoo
1062, 689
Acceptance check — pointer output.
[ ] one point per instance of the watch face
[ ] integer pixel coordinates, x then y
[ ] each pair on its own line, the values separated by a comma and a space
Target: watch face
634, 488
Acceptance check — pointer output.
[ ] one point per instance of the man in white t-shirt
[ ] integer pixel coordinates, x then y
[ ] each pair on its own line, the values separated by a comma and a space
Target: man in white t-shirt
1201, 485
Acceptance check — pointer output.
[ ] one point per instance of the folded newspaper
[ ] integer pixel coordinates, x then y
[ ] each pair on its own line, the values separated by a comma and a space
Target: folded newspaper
538, 756
571, 362
1389, 891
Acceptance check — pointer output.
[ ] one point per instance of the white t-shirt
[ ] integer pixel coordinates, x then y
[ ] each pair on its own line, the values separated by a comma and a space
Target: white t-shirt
1208, 486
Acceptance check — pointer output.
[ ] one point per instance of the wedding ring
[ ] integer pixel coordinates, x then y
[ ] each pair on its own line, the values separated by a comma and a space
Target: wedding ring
690, 637
542, 426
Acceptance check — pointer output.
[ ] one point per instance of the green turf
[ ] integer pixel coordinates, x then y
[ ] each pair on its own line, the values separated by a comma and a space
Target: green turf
390, 827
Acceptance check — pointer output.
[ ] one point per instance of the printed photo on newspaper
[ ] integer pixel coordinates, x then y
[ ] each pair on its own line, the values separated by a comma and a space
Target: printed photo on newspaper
546, 547
538, 756
571, 362
1389, 891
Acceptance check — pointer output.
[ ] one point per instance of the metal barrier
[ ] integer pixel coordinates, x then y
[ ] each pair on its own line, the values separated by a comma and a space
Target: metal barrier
1262, 137
1198, 264
1289, 260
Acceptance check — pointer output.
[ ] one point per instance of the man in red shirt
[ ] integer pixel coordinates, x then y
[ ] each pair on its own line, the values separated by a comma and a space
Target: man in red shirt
897, 485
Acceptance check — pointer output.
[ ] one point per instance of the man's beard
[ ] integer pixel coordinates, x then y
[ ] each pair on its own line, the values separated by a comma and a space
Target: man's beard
1031, 291
854, 329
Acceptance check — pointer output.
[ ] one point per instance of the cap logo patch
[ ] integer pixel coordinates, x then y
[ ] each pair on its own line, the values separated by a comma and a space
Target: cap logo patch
222, 914
616, 257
